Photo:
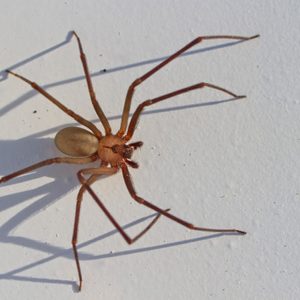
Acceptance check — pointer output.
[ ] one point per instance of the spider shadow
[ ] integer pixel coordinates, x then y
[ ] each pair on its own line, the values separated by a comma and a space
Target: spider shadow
58, 252
4, 75
32, 93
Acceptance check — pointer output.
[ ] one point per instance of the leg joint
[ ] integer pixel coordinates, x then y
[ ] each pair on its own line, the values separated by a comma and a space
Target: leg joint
190, 226
136, 82
139, 199
34, 85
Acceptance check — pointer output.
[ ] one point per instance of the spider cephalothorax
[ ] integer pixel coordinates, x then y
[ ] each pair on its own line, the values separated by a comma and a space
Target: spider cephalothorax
112, 151
122, 152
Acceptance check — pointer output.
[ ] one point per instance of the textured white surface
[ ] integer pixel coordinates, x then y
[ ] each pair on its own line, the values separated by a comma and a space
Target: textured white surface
233, 164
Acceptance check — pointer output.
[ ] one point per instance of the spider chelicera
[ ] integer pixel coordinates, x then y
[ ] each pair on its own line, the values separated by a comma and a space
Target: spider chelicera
113, 150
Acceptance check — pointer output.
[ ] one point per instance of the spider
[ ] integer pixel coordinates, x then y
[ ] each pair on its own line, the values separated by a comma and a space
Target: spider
113, 150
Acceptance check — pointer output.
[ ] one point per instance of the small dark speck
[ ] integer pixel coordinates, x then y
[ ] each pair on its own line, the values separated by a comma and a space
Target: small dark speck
104, 70
34, 112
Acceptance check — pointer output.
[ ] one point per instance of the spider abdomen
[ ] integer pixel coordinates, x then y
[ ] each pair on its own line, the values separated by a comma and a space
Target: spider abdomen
76, 142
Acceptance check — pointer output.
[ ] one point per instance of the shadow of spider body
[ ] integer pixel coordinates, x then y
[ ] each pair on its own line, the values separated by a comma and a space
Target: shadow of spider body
113, 150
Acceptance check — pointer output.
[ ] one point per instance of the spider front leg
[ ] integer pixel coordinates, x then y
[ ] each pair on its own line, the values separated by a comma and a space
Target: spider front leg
96, 172
138, 81
129, 185
138, 111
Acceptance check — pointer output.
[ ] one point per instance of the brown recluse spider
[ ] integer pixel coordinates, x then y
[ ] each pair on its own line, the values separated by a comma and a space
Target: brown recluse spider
113, 150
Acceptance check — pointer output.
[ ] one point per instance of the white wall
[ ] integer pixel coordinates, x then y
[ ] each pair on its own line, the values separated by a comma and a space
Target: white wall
216, 164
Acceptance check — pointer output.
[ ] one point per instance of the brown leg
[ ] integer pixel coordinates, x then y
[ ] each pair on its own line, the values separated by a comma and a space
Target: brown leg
56, 160
95, 173
86, 186
140, 108
95, 103
69, 112
128, 182
90, 180
138, 81
128, 239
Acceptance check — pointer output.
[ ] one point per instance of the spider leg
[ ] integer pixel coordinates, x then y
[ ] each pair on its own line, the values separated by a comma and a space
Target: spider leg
56, 160
90, 180
96, 172
129, 184
69, 112
138, 111
127, 238
95, 103
138, 81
